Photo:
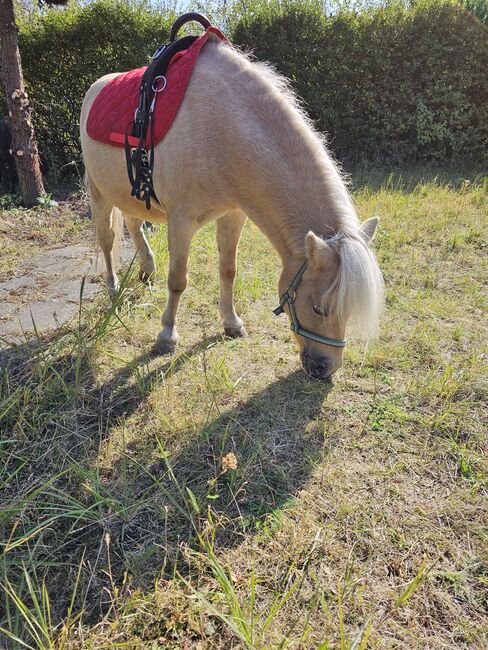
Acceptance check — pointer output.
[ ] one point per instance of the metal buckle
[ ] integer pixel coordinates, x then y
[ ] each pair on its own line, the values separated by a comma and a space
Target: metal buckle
140, 116
159, 90
159, 51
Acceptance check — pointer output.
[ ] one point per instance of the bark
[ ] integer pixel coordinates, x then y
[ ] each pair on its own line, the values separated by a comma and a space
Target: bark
24, 146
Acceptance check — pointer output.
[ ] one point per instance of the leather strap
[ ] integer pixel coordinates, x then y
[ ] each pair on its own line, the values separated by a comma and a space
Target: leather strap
288, 298
140, 158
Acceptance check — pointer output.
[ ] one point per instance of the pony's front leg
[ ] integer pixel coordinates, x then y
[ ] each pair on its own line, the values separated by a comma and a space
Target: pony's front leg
180, 234
229, 229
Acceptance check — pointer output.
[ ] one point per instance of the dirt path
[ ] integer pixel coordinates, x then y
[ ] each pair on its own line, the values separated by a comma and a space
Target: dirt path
45, 292
40, 278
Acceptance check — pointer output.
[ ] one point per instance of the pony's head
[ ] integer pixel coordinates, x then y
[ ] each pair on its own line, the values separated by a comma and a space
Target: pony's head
341, 283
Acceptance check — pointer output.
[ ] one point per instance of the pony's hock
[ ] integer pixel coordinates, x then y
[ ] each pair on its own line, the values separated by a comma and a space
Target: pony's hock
210, 136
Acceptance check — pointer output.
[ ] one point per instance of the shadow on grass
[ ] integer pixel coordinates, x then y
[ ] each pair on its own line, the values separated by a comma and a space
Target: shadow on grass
150, 511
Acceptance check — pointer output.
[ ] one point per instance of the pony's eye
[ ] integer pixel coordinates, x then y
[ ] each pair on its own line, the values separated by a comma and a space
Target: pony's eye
318, 310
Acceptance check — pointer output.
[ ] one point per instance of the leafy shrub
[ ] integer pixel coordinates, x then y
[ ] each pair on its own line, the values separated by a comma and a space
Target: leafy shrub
478, 7
392, 83
64, 52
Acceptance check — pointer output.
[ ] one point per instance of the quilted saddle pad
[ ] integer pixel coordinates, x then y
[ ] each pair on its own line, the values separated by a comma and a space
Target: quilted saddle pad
113, 109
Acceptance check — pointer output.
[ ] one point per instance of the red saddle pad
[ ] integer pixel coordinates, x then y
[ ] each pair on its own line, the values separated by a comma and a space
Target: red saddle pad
113, 109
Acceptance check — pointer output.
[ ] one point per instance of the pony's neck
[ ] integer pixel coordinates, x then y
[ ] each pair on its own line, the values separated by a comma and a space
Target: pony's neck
303, 191
286, 217
290, 184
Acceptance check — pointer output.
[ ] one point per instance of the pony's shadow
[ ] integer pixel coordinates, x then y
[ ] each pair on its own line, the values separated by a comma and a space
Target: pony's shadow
276, 436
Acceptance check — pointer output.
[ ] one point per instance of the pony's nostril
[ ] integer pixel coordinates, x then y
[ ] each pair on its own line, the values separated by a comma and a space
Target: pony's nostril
317, 367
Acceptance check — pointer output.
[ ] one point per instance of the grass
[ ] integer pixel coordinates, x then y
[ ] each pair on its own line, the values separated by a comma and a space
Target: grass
356, 515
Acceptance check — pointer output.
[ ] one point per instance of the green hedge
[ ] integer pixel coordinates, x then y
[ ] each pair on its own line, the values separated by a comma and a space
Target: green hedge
478, 7
390, 84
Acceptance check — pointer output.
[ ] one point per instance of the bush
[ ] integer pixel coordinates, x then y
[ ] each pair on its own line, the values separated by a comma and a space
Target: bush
388, 84
391, 84
478, 7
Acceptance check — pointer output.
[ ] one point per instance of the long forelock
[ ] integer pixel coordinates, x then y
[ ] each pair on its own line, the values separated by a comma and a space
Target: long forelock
357, 292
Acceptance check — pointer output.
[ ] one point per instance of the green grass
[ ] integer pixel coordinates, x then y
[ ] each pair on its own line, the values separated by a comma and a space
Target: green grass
356, 516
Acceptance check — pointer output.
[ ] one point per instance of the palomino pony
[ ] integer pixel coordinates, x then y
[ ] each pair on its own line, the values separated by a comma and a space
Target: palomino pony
241, 147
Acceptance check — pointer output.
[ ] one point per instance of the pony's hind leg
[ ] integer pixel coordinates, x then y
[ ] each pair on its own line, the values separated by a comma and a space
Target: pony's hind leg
229, 229
147, 266
109, 227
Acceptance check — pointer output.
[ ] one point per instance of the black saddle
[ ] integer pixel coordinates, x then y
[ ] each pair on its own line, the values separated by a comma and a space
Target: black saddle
140, 161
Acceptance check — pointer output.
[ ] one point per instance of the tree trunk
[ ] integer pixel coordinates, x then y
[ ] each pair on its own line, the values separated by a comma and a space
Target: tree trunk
24, 147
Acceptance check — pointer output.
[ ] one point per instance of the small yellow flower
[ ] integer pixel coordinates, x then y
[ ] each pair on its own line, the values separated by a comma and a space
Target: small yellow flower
229, 461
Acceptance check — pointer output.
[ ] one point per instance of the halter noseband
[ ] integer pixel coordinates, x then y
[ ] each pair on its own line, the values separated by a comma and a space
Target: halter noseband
288, 298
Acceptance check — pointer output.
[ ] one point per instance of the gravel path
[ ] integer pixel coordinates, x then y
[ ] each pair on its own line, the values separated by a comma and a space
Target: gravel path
46, 291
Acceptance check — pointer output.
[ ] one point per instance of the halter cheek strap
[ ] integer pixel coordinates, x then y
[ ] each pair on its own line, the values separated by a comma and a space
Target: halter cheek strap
288, 298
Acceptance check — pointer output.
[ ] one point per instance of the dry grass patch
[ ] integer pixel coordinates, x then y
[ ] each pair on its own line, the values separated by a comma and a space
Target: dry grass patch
353, 515
23, 233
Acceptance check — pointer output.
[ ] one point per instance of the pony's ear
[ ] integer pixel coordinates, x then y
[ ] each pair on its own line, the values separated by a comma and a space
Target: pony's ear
316, 249
368, 229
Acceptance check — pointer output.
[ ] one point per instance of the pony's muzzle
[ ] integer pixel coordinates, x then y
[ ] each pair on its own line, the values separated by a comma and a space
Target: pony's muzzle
318, 367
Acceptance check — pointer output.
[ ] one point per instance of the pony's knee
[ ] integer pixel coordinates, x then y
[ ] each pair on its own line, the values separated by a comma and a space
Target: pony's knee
228, 273
177, 285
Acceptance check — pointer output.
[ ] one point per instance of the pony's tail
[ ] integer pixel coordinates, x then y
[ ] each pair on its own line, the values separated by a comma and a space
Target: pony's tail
117, 224
106, 226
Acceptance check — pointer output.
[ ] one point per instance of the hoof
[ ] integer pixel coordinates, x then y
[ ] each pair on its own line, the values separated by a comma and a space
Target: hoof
164, 347
112, 291
146, 276
235, 332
